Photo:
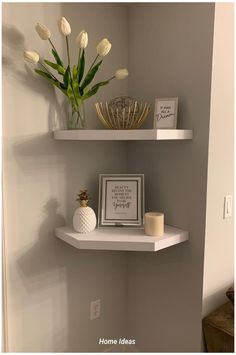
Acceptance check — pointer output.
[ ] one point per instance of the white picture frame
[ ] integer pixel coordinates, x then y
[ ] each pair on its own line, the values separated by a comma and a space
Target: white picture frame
165, 113
121, 200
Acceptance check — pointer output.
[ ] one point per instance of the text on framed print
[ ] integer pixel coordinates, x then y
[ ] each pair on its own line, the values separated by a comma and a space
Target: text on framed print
121, 200
165, 113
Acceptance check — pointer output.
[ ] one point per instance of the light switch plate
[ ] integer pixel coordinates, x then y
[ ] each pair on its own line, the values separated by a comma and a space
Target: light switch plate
228, 205
95, 309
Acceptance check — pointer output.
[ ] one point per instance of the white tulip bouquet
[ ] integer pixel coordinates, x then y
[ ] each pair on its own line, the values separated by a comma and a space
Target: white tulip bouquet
74, 82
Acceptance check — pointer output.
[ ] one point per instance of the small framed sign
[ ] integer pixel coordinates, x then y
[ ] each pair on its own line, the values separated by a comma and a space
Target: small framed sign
165, 114
121, 200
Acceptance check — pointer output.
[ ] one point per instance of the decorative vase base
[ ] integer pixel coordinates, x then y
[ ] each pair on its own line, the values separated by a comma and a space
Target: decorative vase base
77, 117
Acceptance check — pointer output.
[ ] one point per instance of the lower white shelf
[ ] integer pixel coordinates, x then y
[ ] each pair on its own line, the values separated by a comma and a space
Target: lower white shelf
123, 134
121, 238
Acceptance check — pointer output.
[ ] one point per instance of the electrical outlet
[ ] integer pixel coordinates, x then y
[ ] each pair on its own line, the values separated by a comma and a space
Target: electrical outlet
228, 206
95, 309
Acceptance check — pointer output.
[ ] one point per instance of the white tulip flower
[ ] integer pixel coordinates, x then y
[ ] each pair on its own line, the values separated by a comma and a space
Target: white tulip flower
31, 57
64, 26
43, 32
82, 39
103, 47
121, 74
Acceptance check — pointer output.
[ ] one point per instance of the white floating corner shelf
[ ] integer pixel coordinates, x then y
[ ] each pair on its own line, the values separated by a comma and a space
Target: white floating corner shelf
128, 135
121, 238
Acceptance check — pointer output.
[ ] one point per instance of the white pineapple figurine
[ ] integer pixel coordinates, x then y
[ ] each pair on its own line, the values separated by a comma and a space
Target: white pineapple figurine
84, 220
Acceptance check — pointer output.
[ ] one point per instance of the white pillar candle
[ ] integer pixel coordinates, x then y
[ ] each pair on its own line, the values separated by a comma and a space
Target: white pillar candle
154, 224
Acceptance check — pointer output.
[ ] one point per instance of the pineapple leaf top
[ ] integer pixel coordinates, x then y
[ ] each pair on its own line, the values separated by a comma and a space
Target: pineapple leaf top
83, 196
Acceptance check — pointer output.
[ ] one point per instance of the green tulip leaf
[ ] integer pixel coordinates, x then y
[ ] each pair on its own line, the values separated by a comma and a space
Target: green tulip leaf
89, 77
94, 89
66, 77
55, 66
53, 81
70, 94
81, 67
75, 83
74, 72
62, 86
57, 58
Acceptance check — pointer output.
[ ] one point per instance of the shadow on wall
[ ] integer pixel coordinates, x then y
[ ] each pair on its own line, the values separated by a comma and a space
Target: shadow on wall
50, 264
20, 72
46, 253
78, 163
41, 268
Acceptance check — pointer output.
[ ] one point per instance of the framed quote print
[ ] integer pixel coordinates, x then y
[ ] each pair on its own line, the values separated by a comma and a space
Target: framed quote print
121, 200
165, 113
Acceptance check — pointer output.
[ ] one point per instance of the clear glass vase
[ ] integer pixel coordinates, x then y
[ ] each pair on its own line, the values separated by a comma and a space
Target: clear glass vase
76, 118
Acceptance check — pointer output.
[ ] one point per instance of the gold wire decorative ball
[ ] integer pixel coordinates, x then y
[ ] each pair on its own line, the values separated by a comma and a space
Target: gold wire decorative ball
122, 113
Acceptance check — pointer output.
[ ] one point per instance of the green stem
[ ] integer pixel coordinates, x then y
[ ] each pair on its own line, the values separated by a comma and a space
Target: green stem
48, 71
79, 59
68, 53
74, 93
68, 56
52, 45
93, 64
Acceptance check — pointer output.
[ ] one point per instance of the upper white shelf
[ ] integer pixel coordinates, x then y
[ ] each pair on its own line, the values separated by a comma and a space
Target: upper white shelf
121, 238
119, 135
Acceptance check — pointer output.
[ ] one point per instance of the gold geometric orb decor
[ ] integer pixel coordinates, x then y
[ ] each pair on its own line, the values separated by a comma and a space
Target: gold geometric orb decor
122, 113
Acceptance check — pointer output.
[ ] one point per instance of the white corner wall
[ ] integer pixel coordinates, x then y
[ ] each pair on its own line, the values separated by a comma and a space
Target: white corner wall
219, 238
49, 284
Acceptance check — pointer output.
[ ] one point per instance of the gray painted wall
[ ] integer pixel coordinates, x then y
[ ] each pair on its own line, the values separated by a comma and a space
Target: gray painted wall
170, 53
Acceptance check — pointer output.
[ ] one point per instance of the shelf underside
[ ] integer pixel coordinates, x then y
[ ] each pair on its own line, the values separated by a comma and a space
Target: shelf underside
131, 134
121, 238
